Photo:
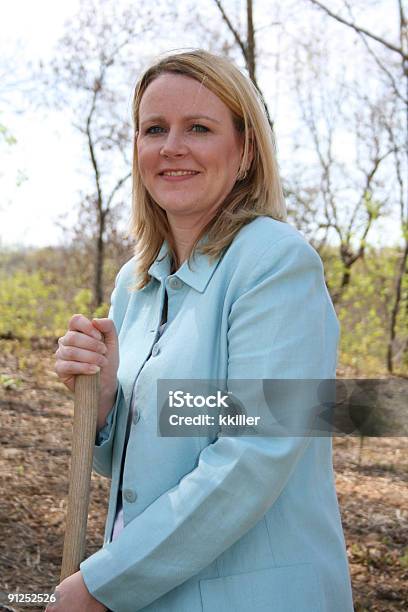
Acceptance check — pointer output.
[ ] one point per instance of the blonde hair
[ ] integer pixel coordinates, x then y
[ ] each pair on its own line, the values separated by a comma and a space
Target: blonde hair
257, 191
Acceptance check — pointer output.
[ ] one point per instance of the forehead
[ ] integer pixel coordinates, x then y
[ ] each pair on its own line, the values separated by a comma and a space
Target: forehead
182, 94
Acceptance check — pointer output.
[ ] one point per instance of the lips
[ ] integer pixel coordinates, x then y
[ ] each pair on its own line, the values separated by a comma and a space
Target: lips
178, 178
186, 170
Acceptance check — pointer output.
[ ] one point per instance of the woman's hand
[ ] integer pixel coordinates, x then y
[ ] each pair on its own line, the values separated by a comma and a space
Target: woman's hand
86, 348
72, 594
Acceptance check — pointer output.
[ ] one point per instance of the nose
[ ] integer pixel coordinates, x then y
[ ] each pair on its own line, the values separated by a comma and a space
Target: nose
173, 145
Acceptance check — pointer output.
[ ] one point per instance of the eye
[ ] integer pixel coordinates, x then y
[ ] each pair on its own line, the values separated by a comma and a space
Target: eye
198, 125
153, 128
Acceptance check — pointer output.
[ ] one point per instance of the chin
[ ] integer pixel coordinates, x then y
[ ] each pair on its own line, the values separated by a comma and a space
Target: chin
179, 207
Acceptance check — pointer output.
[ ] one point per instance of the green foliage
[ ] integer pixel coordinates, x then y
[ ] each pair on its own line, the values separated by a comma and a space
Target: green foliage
364, 310
333, 267
6, 136
101, 312
8, 382
40, 291
373, 206
83, 302
33, 305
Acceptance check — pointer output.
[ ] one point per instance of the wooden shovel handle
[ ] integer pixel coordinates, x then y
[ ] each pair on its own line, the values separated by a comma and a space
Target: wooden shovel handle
83, 440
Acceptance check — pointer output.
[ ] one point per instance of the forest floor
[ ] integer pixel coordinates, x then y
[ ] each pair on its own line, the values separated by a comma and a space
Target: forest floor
35, 437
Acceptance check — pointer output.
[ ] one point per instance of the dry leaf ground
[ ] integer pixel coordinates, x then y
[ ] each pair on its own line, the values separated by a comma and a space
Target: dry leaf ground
36, 416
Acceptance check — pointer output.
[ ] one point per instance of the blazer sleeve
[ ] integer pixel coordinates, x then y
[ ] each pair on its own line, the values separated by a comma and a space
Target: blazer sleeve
278, 328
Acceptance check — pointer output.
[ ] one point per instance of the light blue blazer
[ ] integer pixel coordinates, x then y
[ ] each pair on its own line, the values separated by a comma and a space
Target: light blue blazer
228, 524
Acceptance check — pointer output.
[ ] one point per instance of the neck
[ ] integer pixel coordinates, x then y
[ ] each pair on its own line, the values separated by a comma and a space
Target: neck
184, 239
182, 253
185, 231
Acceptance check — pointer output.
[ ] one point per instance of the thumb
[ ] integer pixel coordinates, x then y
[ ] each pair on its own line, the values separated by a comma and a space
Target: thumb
107, 328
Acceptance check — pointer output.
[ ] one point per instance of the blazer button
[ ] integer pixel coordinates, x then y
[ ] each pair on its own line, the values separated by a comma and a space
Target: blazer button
155, 350
129, 495
136, 417
175, 283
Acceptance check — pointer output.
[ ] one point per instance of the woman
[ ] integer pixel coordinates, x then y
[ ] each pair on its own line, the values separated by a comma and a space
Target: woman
222, 288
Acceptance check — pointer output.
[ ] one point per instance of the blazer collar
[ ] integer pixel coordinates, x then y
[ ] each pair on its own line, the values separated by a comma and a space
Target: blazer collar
197, 277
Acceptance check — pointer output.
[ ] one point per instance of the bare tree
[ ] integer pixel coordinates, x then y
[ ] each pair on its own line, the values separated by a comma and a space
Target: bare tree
348, 189
92, 75
401, 272
399, 86
361, 30
247, 45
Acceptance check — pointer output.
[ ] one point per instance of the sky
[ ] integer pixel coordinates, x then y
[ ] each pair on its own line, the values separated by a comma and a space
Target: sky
44, 158
42, 174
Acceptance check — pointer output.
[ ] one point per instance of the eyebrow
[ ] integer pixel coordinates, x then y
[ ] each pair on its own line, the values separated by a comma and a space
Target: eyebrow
187, 117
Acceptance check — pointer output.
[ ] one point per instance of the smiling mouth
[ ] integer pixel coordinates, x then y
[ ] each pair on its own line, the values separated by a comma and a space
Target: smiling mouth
179, 173
178, 176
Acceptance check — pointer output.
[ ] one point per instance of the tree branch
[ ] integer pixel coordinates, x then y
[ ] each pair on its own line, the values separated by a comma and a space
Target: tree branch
233, 30
248, 50
92, 152
361, 30
117, 187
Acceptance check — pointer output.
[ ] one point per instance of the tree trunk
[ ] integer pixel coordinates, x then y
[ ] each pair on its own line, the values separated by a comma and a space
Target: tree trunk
345, 281
251, 60
395, 308
99, 259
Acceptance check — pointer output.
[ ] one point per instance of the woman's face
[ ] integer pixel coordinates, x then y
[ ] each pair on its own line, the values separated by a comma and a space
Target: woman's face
183, 126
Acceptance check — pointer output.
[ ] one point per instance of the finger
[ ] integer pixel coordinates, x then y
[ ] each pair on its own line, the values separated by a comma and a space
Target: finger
74, 368
108, 329
80, 323
72, 353
80, 340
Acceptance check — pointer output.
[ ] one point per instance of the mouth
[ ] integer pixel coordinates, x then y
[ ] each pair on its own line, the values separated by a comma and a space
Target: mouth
178, 175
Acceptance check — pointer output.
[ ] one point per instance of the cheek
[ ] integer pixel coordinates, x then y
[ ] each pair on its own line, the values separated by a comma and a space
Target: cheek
235, 152
228, 157
145, 159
